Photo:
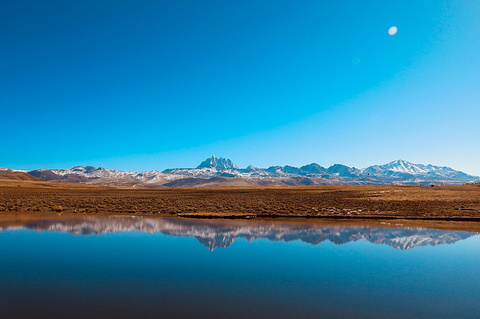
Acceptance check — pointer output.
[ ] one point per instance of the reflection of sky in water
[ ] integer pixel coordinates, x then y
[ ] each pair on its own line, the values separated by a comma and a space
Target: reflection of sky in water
136, 274
220, 233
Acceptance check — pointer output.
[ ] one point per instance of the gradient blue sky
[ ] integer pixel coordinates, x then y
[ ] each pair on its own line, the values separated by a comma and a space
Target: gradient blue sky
141, 85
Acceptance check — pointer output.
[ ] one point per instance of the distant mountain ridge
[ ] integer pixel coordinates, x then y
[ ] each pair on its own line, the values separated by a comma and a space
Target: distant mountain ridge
219, 171
219, 163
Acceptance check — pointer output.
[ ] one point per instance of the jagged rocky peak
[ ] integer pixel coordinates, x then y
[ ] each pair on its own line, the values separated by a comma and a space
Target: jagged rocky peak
218, 162
86, 169
313, 168
90, 168
343, 170
292, 170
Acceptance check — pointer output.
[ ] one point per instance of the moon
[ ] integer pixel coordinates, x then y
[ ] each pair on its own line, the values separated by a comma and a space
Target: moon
392, 30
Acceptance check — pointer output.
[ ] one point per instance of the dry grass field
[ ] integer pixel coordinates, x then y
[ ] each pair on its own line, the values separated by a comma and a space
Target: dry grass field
450, 202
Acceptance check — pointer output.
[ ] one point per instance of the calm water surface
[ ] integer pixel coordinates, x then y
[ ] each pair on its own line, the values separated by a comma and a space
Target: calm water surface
124, 267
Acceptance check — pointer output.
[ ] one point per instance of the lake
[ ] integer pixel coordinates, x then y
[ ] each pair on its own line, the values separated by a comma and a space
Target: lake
152, 267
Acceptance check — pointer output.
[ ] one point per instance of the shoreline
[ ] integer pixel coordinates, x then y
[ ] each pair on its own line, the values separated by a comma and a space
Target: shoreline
342, 203
320, 217
21, 218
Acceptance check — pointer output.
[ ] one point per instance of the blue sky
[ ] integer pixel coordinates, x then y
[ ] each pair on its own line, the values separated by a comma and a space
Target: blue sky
141, 85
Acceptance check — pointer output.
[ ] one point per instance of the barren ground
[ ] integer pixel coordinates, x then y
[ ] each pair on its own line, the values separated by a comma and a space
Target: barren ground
448, 202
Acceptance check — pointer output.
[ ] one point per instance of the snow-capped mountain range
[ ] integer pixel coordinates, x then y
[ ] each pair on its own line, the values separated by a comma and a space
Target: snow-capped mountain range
221, 234
216, 171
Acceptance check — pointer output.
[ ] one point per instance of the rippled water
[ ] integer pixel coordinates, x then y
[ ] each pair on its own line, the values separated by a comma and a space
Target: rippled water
167, 267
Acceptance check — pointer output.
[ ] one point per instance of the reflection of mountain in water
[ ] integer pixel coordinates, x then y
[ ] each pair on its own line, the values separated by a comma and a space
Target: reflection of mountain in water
221, 234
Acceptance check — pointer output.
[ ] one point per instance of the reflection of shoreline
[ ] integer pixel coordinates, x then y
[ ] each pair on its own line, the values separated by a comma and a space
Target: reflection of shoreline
220, 234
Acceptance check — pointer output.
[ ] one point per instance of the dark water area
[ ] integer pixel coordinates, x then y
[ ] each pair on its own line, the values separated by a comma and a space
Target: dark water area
124, 267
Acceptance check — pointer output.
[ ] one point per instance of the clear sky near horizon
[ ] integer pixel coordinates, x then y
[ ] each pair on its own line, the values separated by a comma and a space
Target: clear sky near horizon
142, 85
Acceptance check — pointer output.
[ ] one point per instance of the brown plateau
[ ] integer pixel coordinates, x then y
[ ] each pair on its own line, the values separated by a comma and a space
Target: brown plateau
448, 203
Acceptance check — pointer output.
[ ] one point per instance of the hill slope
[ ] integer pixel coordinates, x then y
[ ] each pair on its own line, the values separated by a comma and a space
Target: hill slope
19, 176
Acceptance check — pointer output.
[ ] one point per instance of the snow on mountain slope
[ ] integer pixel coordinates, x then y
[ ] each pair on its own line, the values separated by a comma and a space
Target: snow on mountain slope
403, 170
397, 172
343, 171
103, 176
398, 168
